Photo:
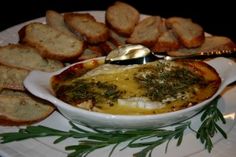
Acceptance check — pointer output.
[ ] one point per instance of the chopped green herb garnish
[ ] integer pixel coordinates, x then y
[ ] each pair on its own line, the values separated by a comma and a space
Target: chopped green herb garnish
83, 90
162, 84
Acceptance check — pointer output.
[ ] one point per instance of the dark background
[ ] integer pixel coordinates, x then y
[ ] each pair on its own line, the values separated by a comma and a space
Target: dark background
216, 17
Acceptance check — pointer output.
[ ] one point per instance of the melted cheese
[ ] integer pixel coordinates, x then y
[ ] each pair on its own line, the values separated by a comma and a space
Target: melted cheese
120, 76
132, 95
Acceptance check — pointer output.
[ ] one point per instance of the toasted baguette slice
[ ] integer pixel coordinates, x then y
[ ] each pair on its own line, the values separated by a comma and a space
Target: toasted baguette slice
96, 50
22, 110
146, 32
25, 57
117, 39
166, 42
56, 21
12, 92
122, 18
12, 78
107, 47
211, 44
86, 25
91, 52
189, 33
51, 43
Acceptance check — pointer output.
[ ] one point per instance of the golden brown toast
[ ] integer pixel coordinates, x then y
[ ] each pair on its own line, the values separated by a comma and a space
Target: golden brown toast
189, 33
26, 57
50, 42
122, 18
86, 26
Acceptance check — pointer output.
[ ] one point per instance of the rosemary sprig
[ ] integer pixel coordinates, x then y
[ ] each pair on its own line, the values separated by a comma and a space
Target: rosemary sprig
209, 127
148, 139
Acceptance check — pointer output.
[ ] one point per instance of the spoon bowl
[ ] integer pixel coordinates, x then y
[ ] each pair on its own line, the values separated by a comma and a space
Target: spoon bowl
130, 54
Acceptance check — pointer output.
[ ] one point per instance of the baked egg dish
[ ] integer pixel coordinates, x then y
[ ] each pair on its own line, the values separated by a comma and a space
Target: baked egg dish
153, 88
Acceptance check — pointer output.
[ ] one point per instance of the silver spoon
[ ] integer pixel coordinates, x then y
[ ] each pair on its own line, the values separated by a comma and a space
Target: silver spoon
139, 54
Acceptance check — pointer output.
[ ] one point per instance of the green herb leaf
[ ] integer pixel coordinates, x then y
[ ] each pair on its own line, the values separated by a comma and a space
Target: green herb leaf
209, 127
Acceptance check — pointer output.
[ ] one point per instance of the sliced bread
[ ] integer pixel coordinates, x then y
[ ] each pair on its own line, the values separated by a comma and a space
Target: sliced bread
146, 32
107, 47
56, 21
22, 109
50, 42
166, 42
12, 78
91, 52
25, 57
122, 18
117, 39
97, 50
189, 33
85, 24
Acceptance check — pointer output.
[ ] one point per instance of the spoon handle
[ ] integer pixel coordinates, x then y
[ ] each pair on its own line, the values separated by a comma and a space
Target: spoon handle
197, 56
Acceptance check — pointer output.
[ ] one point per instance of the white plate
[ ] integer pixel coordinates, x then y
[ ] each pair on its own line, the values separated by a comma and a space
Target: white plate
190, 146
